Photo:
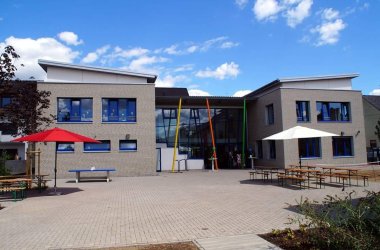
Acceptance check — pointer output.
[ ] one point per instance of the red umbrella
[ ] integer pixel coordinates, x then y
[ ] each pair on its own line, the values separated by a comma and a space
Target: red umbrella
55, 135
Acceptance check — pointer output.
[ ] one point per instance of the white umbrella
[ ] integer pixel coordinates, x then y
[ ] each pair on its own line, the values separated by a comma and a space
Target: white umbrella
299, 132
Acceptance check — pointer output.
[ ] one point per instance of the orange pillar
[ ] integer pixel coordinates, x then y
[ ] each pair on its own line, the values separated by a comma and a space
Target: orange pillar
212, 136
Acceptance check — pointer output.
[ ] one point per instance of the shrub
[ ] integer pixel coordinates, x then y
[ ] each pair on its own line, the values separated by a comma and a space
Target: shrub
3, 158
342, 223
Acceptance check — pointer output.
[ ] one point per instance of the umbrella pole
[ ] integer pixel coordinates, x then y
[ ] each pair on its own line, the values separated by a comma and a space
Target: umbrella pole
55, 170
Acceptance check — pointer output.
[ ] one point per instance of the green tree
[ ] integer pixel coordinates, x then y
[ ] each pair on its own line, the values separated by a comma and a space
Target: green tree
26, 112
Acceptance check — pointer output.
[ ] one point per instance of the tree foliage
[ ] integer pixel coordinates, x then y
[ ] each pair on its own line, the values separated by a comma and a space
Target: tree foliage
26, 112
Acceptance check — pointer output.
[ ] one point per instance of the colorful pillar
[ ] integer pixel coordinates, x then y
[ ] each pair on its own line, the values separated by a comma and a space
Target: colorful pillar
243, 139
212, 136
176, 133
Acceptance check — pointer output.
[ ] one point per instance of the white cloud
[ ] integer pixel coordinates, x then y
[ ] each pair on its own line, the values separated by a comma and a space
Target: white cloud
241, 3
30, 50
329, 32
172, 50
330, 14
225, 70
93, 56
70, 38
375, 92
241, 93
198, 92
297, 14
227, 45
192, 49
185, 48
139, 64
90, 57
266, 9
186, 67
210, 43
295, 11
169, 81
128, 53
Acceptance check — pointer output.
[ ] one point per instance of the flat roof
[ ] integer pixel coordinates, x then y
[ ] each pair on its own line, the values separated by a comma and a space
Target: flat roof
45, 63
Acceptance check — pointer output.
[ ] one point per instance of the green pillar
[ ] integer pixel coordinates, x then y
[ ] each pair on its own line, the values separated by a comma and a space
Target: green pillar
243, 139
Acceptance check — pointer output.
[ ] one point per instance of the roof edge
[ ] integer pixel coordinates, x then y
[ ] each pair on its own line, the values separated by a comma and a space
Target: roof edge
316, 78
45, 63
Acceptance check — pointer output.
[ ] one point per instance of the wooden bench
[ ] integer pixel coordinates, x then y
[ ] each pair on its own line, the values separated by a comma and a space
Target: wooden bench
318, 180
298, 179
365, 178
78, 171
16, 191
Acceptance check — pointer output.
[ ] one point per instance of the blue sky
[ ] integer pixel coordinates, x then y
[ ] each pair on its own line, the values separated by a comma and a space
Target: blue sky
217, 47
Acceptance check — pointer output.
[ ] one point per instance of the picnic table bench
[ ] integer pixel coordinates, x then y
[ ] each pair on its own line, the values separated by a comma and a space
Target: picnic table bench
15, 186
78, 171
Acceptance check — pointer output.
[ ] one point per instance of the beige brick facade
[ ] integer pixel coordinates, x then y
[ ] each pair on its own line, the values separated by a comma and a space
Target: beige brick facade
137, 163
284, 102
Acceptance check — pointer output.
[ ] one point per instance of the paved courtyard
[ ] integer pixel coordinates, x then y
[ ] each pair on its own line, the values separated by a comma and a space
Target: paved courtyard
137, 210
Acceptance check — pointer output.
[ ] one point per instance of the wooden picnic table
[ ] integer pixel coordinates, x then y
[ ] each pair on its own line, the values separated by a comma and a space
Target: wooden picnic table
8, 185
350, 172
15, 180
302, 166
308, 173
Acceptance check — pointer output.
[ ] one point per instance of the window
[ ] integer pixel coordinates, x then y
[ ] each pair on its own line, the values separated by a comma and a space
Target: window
259, 149
342, 146
65, 147
309, 147
270, 114
5, 101
303, 111
272, 149
74, 110
333, 111
128, 145
104, 146
119, 110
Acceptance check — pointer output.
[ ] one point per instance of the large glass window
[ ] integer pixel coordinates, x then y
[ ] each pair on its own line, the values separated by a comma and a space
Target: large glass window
270, 114
65, 147
303, 111
194, 137
128, 145
104, 146
259, 149
333, 111
119, 110
272, 149
309, 147
74, 110
342, 146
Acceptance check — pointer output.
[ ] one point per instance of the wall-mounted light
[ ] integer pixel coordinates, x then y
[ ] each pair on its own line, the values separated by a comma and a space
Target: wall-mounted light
127, 136
357, 133
341, 133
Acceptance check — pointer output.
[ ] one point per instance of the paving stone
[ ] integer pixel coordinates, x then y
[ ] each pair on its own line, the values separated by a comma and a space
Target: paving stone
153, 209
